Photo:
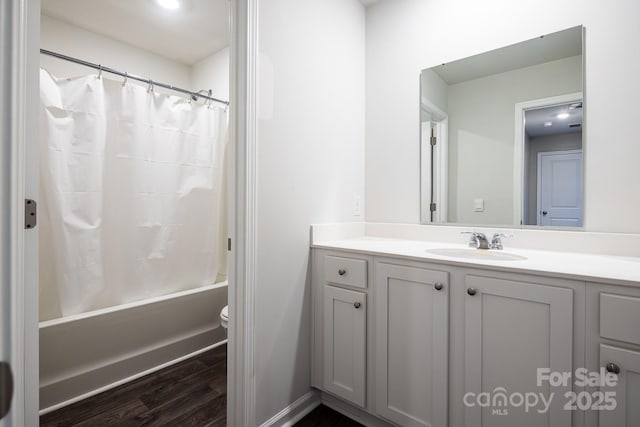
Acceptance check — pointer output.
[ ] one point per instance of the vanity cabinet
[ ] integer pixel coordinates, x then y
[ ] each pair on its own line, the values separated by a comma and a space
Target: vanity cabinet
613, 345
511, 329
626, 391
345, 343
425, 336
411, 344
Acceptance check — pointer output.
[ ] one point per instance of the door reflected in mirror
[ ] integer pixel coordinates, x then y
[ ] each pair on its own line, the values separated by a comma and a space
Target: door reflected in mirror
501, 136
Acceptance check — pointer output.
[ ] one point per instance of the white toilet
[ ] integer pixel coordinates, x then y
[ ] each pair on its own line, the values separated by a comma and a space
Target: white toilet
224, 317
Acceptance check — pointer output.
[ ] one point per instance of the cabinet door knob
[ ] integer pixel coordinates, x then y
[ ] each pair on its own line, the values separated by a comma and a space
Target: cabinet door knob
471, 291
438, 286
357, 304
613, 368
342, 272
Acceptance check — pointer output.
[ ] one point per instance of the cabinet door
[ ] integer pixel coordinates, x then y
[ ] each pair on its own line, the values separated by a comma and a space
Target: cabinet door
345, 343
627, 388
511, 330
411, 349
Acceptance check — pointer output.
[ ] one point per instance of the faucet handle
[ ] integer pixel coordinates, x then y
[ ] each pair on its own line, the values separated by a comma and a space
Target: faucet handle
473, 241
496, 242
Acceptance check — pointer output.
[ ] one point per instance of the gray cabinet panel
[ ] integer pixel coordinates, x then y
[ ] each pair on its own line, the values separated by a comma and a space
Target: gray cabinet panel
627, 388
345, 343
411, 333
512, 329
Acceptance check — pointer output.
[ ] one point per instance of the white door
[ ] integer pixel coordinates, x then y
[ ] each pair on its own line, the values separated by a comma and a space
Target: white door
560, 188
345, 343
626, 392
411, 350
511, 330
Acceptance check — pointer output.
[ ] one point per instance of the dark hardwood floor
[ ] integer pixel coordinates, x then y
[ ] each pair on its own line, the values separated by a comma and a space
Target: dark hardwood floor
190, 393
323, 416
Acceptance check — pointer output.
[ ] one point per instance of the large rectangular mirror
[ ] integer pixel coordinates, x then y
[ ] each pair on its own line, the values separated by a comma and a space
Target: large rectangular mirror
501, 136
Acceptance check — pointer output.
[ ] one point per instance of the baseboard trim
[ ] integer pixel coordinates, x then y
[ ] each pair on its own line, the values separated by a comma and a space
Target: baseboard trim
295, 412
128, 379
352, 412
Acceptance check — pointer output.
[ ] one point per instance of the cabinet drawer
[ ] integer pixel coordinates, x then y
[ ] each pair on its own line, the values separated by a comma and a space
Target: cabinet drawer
620, 318
345, 271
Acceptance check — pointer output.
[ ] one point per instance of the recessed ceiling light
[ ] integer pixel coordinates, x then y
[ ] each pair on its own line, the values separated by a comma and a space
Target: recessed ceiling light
562, 115
547, 124
169, 4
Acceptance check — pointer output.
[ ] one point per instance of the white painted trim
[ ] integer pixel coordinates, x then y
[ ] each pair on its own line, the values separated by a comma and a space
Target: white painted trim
17, 132
296, 411
241, 394
518, 145
442, 170
425, 173
441, 165
128, 379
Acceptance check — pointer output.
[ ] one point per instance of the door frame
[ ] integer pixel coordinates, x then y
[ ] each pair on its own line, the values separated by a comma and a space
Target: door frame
539, 178
242, 215
440, 174
518, 146
21, 249
19, 246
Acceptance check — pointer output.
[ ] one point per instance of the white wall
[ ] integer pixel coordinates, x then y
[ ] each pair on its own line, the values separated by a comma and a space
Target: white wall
481, 135
310, 167
71, 40
435, 91
405, 36
212, 73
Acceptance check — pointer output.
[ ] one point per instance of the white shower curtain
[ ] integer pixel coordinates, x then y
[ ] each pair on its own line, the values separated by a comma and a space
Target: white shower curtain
131, 194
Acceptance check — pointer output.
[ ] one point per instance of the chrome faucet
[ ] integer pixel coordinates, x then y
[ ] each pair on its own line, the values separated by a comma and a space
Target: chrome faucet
478, 240
496, 242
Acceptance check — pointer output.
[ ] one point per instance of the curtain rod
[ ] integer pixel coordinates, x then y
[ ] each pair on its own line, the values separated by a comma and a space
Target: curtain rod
131, 76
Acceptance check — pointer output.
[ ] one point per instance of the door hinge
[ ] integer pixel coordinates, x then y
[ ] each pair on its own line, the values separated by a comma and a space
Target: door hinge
432, 207
229, 244
434, 140
30, 214
6, 388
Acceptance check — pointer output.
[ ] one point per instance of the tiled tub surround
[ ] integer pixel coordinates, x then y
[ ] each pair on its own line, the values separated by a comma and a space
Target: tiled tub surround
392, 321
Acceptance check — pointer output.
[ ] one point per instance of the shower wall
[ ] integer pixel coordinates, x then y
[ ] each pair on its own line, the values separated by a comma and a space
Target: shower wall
211, 72
71, 40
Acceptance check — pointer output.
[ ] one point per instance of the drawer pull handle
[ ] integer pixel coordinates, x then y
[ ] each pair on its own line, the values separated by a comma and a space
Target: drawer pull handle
357, 304
471, 291
438, 286
342, 272
613, 368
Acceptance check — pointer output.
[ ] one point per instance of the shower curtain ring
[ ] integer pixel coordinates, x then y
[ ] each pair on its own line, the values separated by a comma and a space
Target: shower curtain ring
126, 77
226, 107
99, 71
150, 88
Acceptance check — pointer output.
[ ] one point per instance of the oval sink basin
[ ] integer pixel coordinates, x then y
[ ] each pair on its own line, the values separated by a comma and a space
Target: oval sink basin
478, 254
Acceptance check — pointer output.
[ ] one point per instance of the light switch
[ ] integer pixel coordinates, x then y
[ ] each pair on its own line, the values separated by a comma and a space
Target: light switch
357, 208
478, 205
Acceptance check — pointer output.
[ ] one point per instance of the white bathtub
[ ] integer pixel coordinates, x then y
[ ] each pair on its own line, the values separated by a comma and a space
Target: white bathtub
89, 353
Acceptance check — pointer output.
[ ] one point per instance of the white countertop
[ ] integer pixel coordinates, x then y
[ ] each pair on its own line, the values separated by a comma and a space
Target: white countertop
611, 269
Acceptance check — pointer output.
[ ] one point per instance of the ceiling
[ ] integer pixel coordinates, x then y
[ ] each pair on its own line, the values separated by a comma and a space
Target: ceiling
550, 47
535, 120
194, 31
